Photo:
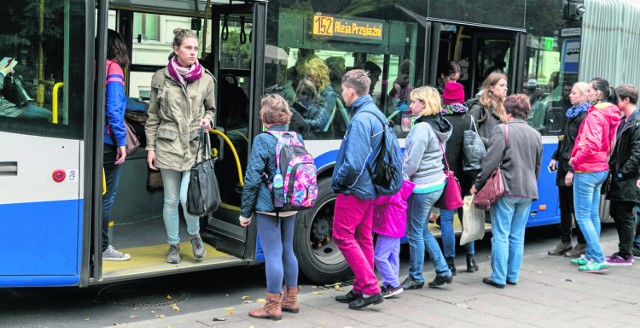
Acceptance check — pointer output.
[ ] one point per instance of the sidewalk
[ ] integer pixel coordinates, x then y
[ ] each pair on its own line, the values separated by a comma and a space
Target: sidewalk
550, 293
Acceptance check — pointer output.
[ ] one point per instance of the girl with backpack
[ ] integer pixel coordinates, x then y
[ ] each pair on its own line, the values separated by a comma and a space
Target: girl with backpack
275, 228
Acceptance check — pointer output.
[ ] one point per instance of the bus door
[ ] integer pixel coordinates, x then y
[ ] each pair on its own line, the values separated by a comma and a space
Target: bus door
42, 143
236, 59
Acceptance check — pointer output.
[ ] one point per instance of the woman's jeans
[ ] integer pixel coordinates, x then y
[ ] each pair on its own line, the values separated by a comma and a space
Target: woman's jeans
509, 218
387, 260
112, 179
448, 235
419, 207
586, 200
176, 184
276, 240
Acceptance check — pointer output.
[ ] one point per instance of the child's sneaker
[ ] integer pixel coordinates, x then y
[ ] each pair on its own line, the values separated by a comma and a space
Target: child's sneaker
582, 260
594, 267
390, 291
111, 254
617, 260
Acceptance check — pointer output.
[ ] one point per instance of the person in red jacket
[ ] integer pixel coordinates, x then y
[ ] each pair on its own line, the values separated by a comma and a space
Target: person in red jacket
589, 160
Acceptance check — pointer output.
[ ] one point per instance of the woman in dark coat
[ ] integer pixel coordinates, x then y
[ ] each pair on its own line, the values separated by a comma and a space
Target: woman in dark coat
564, 177
456, 113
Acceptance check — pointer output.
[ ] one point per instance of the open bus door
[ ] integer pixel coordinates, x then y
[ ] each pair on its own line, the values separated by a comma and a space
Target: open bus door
237, 62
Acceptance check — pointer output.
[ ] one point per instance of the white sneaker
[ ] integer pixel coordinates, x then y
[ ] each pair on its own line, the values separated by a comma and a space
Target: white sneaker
111, 254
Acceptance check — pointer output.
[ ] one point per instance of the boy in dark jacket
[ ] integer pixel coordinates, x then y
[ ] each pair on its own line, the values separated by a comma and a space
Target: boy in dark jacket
624, 167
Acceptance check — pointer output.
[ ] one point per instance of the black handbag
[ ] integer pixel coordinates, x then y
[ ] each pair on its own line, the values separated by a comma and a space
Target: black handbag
203, 195
473, 150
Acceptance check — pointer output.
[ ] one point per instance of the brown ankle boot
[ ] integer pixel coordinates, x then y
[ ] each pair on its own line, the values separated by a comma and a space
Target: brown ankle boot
270, 310
290, 300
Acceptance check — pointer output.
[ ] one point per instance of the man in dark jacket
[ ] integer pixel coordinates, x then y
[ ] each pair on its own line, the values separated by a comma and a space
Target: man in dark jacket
624, 167
353, 213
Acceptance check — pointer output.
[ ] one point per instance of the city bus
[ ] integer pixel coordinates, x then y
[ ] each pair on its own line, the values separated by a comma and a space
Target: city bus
51, 171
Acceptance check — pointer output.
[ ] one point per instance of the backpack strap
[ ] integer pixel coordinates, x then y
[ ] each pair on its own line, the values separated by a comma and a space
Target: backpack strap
281, 140
382, 141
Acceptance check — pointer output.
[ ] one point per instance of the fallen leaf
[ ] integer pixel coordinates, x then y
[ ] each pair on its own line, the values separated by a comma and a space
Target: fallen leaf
314, 286
160, 315
231, 313
260, 300
152, 311
133, 316
340, 289
175, 307
245, 297
247, 302
316, 293
169, 297
229, 309
219, 319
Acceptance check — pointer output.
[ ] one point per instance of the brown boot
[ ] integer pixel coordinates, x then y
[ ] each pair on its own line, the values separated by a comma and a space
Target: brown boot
560, 248
290, 300
270, 310
576, 251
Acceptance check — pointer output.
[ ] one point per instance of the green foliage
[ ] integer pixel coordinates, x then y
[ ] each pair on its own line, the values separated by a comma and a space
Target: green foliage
233, 49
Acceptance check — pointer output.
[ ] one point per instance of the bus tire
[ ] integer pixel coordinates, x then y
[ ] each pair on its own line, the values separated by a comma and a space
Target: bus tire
318, 256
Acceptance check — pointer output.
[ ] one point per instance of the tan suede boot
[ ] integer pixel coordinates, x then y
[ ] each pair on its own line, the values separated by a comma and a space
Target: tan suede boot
290, 300
271, 309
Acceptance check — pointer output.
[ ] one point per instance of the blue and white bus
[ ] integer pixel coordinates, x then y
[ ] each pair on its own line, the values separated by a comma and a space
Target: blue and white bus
51, 172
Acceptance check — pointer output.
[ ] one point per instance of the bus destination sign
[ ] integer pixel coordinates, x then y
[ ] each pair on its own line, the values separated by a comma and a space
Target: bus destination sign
329, 26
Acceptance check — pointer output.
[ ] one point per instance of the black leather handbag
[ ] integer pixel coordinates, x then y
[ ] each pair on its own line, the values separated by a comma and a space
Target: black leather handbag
203, 195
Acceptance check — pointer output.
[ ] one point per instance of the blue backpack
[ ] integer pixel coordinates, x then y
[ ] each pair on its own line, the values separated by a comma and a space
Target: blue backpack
387, 175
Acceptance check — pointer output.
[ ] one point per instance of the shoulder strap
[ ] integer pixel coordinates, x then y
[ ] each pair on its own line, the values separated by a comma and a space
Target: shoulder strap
472, 124
382, 141
444, 155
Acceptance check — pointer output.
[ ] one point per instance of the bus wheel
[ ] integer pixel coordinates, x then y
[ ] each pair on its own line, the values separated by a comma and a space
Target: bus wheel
318, 256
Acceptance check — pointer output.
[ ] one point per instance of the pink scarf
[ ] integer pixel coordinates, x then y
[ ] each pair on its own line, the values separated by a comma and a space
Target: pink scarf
184, 75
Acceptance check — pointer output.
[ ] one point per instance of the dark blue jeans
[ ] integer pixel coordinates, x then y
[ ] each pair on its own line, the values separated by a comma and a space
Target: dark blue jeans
112, 177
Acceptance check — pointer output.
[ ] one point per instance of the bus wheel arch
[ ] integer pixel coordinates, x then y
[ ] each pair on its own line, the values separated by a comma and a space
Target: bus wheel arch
318, 256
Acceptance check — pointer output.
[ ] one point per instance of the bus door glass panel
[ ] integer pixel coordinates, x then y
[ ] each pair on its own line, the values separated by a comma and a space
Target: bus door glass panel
42, 103
230, 58
493, 52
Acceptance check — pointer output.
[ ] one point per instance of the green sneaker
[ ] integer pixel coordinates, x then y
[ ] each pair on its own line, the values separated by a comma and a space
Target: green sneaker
580, 261
594, 267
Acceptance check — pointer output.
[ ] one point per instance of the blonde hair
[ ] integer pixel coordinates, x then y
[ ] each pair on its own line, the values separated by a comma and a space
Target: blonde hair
431, 99
488, 99
315, 66
274, 110
583, 87
306, 85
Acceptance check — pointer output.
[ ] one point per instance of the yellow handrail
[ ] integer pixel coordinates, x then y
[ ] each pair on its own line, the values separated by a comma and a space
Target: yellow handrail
235, 154
54, 102
104, 182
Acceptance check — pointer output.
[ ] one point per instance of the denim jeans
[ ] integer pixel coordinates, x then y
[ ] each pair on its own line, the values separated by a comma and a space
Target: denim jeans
36, 113
449, 236
586, 199
176, 184
419, 207
276, 239
352, 234
112, 179
508, 221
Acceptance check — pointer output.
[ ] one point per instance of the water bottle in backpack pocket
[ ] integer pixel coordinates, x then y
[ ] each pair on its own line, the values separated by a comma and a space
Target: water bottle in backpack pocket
294, 184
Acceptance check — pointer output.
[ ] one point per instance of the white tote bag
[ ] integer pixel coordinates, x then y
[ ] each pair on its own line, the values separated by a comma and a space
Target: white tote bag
472, 222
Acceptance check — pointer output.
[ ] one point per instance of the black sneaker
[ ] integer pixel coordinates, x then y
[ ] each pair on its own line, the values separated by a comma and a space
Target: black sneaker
439, 281
362, 302
489, 281
348, 297
390, 291
636, 252
409, 283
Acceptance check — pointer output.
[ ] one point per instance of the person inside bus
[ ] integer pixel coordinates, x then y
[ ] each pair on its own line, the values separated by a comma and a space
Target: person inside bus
564, 175
517, 147
21, 107
115, 134
401, 90
423, 165
275, 229
455, 112
182, 101
374, 74
533, 92
589, 161
337, 68
488, 108
624, 165
314, 69
451, 72
310, 107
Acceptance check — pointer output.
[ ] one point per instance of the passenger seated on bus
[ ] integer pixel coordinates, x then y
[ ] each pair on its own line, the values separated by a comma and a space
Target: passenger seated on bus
310, 107
275, 81
399, 94
337, 68
374, 74
11, 87
314, 69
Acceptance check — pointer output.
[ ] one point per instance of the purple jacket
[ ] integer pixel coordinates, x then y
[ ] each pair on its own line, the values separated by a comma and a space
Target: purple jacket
390, 212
